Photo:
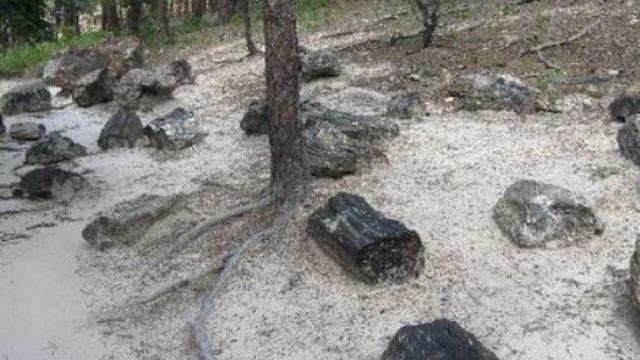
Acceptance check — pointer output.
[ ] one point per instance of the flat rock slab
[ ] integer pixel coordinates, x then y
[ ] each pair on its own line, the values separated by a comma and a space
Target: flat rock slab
319, 64
629, 139
358, 127
49, 182
492, 92
534, 214
626, 105
52, 149
635, 275
129, 221
31, 97
364, 242
438, 340
174, 131
124, 129
27, 131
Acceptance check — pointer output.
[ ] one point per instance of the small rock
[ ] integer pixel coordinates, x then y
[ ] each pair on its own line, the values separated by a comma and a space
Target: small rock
138, 82
534, 214
124, 129
438, 340
329, 152
27, 131
405, 106
635, 275
94, 88
626, 105
255, 120
128, 221
31, 97
629, 139
49, 182
484, 92
182, 71
364, 242
319, 64
176, 130
52, 149
358, 127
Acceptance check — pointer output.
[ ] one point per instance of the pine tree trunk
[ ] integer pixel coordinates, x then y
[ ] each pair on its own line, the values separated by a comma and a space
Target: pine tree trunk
199, 7
134, 16
161, 17
70, 17
289, 174
246, 16
110, 18
226, 9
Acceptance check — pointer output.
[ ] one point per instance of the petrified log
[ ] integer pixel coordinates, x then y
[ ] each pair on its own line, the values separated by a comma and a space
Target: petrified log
442, 340
364, 242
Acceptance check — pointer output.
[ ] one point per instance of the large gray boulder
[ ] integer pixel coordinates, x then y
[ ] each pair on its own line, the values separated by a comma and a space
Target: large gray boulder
534, 214
626, 105
49, 182
438, 340
27, 131
629, 139
635, 275
139, 82
329, 152
368, 245
488, 92
174, 131
52, 149
117, 56
94, 88
124, 129
358, 127
32, 97
319, 64
128, 221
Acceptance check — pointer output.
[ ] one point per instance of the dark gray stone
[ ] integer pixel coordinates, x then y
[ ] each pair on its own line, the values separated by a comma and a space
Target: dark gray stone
626, 105
534, 214
484, 92
182, 71
629, 139
124, 129
319, 64
359, 127
94, 88
174, 131
49, 182
128, 221
329, 152
405, 106
31, 97
364, 242
438, 340
52, 149
139, 82
256, 119
27, 131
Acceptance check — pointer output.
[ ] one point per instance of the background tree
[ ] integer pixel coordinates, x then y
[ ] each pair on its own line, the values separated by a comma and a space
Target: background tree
430, 13
110, 16
289, 174
246, 17
134, 16
161, 18
23, 21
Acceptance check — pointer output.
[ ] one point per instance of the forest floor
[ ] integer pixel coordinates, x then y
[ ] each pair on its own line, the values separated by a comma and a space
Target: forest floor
61, 299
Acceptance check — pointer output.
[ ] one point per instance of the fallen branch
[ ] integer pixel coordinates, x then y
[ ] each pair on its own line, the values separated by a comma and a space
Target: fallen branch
193, 281
552, 44
186, 237
197, 327
546, 62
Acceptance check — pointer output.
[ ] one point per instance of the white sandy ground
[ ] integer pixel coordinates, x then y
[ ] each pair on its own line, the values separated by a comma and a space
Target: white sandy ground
60, 299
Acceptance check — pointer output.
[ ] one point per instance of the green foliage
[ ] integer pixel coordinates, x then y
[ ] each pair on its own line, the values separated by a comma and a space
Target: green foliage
312, 13
551, 77
602, 172
23, 21
21, 58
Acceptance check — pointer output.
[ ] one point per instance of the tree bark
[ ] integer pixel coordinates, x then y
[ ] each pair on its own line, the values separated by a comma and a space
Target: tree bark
134, 16
110, 18
289, 174
161, 17
226, 9
430, 11
198, 7
246, 16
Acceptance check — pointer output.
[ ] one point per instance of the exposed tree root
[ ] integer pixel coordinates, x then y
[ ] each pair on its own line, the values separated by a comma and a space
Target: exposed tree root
552, 44
197, 327
186, 237
197, 281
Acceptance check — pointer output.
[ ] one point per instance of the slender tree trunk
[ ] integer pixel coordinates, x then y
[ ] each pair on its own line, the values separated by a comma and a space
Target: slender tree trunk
134, 16
198, 8
226, 9
289, 174
161, 17
246, 16
430, 11
70, 16
110, 18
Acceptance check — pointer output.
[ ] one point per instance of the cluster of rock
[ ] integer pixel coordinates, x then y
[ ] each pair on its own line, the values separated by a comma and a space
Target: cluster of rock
30, 97
492, 92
